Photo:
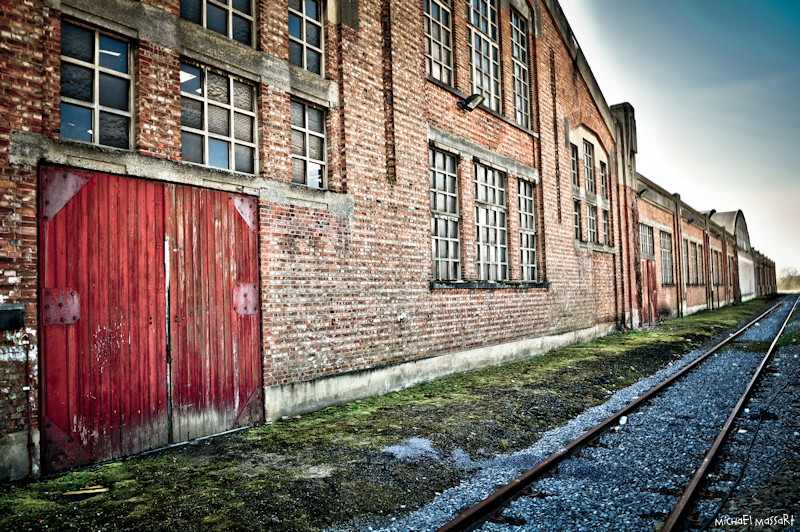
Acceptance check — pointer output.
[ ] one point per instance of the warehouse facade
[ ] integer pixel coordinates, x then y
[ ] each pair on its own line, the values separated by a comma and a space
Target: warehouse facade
218, 213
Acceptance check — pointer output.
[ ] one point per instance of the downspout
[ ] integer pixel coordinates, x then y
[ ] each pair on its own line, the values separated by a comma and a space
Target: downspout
27, 389
679, 286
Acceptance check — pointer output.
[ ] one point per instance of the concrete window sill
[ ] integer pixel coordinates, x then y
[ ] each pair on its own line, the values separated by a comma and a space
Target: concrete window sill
491, 285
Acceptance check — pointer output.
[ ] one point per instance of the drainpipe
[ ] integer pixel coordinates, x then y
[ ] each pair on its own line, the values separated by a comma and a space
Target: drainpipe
27, 389
707, 262
679, 286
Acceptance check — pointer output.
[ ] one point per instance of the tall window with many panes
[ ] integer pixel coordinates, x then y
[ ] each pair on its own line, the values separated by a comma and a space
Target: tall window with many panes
591, 222
305, 35
95, 87
646, 239
217, 119
484, 53
588, 165
438, 40
444, 215
232, 18
667, 276
527, 230
603, 180
308, 145
490, 219
573, 158
606, 229
519, 59
576, 218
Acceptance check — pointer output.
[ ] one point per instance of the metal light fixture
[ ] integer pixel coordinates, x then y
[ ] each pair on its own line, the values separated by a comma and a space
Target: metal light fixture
471, 102
639, 194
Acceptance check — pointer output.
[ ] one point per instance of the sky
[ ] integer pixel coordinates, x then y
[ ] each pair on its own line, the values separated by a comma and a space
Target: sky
715, 85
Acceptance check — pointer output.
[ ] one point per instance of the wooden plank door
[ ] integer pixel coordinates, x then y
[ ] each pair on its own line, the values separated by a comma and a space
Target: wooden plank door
649, 292
102, 315
214, 325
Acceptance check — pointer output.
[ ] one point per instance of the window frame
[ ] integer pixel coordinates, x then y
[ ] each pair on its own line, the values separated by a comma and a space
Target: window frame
693, 262
496, 209
527, 229
489, 52
588, 166
646, 241
665, 240
576, 218
450, 217
207, 101
591, 223
603, 180
606, 229
230, 13
303, 42
306, 131
573, 153
444, 6
520, 75
94, 105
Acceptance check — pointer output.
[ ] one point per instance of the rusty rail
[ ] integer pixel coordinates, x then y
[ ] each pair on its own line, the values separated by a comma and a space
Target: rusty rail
678, 514
474, 517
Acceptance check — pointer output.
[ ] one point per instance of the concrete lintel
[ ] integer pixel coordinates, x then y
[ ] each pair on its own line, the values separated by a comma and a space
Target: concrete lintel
462, 144
292, 194
313, 88
15, 459
308, 396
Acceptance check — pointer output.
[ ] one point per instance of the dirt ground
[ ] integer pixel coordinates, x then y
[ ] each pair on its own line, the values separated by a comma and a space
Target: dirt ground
353, 462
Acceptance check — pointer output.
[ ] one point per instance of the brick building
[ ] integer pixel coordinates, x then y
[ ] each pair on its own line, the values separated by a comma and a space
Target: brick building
220, 213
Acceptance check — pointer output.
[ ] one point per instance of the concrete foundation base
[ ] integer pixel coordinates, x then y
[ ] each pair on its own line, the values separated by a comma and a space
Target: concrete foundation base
15, 461
308, 396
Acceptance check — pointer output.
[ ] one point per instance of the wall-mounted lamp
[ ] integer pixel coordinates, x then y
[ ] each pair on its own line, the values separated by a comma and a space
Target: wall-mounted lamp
639, 194
471, 102
690, 220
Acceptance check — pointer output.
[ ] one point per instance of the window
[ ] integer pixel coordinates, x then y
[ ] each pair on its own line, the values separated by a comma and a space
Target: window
573, 152
603, 180
646, 239
591, 222
217, 120
519, 54
716, 266
438, 41
305, 35
527, 231
588, 165
308, 145
576, 218
701, 265
95, 87
693, 262
666, 259
232, 19
606, 229
444, 215
484, 57
490, 218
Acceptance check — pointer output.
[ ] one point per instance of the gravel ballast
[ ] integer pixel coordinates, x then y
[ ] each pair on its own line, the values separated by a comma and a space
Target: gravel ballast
637, 473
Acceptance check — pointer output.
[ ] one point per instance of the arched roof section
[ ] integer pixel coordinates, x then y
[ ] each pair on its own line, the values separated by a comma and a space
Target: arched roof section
735, 224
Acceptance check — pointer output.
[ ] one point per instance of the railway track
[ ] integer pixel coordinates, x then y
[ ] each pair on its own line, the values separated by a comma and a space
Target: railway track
530, 496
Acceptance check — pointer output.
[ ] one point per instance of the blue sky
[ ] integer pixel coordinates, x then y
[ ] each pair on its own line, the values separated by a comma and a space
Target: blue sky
716, 89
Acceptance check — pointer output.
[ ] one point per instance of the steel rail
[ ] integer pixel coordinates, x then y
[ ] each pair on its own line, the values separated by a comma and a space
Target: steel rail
474, 517
678, 514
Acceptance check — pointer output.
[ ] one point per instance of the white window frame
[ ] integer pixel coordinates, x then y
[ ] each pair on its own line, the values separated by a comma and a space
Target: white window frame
231, 108
445, 217
573, 153
231, 11
96, 69
527, 230
576, 218
520, 76
306, 157
439, 52
606, 229
646, 243
603, 180
591, 223
588, 166
484, 51
667, 268
305, 20
491, 242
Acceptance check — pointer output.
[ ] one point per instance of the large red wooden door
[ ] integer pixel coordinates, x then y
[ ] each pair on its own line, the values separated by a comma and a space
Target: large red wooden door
115, 307
104, 391
214, 312
649, 292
